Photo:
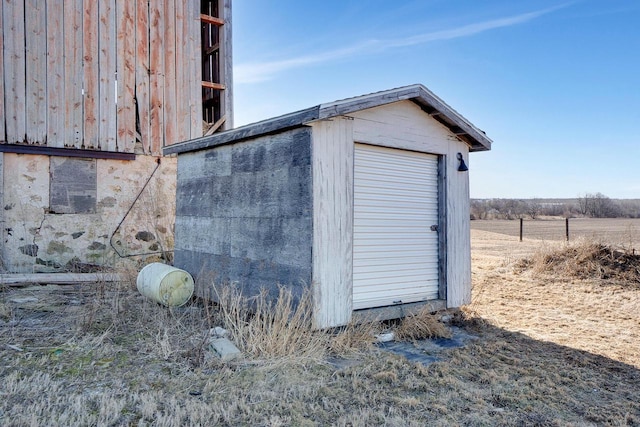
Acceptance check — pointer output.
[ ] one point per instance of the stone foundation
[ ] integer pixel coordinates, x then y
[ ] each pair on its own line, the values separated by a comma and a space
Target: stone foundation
59, 214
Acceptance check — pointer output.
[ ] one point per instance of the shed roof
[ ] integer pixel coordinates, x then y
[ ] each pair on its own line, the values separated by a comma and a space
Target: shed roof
423, 97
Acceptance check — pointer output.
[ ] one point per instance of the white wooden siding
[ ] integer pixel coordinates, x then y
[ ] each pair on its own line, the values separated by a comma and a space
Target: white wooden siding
1, 95
405, 126
395, 252
401, 125
332, 154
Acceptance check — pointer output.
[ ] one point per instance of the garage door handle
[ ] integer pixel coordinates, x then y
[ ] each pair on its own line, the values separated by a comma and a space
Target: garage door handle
434, 227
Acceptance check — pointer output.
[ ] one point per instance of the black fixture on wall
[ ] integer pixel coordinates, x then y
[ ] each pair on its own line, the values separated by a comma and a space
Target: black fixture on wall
462, 167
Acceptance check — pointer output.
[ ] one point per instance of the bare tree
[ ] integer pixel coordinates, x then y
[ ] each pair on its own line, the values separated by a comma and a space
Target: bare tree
583, 204
533, 208
598, 206
479, 209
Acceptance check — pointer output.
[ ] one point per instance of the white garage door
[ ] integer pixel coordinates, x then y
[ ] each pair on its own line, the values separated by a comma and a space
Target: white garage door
395, 251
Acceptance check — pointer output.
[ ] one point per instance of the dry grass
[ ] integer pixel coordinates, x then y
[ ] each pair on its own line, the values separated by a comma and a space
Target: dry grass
283, 330
552, 350
586, 259
421, 325
277, 329
560, 297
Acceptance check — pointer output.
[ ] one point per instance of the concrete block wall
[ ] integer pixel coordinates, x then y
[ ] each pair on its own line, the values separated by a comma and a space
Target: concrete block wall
244, 214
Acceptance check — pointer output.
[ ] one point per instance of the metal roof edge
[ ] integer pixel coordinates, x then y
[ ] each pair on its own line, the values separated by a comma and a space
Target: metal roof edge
417, 93
480, 141
264, 127
377, 99
422, 96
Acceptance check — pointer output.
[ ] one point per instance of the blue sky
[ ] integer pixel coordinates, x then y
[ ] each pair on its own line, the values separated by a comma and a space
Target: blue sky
555, 84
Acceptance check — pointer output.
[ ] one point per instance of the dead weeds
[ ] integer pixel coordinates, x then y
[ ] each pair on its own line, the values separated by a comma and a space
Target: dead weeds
586, 259
421, 325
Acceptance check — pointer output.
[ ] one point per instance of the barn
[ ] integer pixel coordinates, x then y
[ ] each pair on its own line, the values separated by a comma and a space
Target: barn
364, 200
90, 92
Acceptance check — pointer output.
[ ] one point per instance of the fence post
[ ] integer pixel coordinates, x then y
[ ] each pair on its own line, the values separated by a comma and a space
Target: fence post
566, 227
521, 227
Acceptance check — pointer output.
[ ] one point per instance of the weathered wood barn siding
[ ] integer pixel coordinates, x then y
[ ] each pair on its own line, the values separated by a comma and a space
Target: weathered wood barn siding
90, 93
81, 73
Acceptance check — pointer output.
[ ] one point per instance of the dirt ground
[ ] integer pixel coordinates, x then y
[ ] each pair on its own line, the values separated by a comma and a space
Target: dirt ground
594, 315
550, 350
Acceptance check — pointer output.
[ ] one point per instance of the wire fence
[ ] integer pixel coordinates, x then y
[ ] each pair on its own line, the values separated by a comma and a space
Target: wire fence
623, 232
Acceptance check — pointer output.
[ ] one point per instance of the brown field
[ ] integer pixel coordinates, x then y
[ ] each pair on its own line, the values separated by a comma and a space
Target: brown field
552, 349
618, 231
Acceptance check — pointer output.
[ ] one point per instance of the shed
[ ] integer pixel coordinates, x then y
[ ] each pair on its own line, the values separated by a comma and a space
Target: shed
364, 200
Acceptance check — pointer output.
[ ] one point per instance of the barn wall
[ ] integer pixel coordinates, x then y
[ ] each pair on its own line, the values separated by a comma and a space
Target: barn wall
404, 125
37, 240
76, 73
244, 214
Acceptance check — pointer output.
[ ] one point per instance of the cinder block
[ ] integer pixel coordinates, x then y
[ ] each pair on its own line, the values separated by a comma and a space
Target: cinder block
251, 225
225, 349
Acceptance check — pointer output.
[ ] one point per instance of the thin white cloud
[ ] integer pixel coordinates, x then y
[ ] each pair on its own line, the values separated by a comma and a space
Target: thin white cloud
261, 71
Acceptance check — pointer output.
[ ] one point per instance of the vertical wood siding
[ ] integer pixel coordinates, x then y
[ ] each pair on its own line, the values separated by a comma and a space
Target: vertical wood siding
73, 54
90, 75
126, 110
169, 88
15, 69
332, 148
77, 73
55, 74
2, 128
35, 38
156, 73
227, 65
142, 73
107, 74
194, 55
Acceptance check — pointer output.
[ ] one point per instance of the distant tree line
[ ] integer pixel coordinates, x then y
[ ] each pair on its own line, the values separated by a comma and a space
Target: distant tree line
588, 205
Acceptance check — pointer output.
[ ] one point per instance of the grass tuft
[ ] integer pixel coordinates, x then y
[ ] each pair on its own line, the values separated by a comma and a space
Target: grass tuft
422, 325
283, 328
268, 329
354, 339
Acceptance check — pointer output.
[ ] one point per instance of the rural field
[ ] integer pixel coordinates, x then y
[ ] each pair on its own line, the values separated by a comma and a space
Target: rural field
556, 330
624, 232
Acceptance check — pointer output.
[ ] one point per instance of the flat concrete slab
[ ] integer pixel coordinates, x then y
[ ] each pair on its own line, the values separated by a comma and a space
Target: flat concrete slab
409, 351
426, 351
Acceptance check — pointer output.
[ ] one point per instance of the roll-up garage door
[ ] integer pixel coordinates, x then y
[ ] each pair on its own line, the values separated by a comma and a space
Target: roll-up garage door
395, 247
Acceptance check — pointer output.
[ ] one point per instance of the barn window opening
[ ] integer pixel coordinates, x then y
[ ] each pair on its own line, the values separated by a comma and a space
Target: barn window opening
212, 78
